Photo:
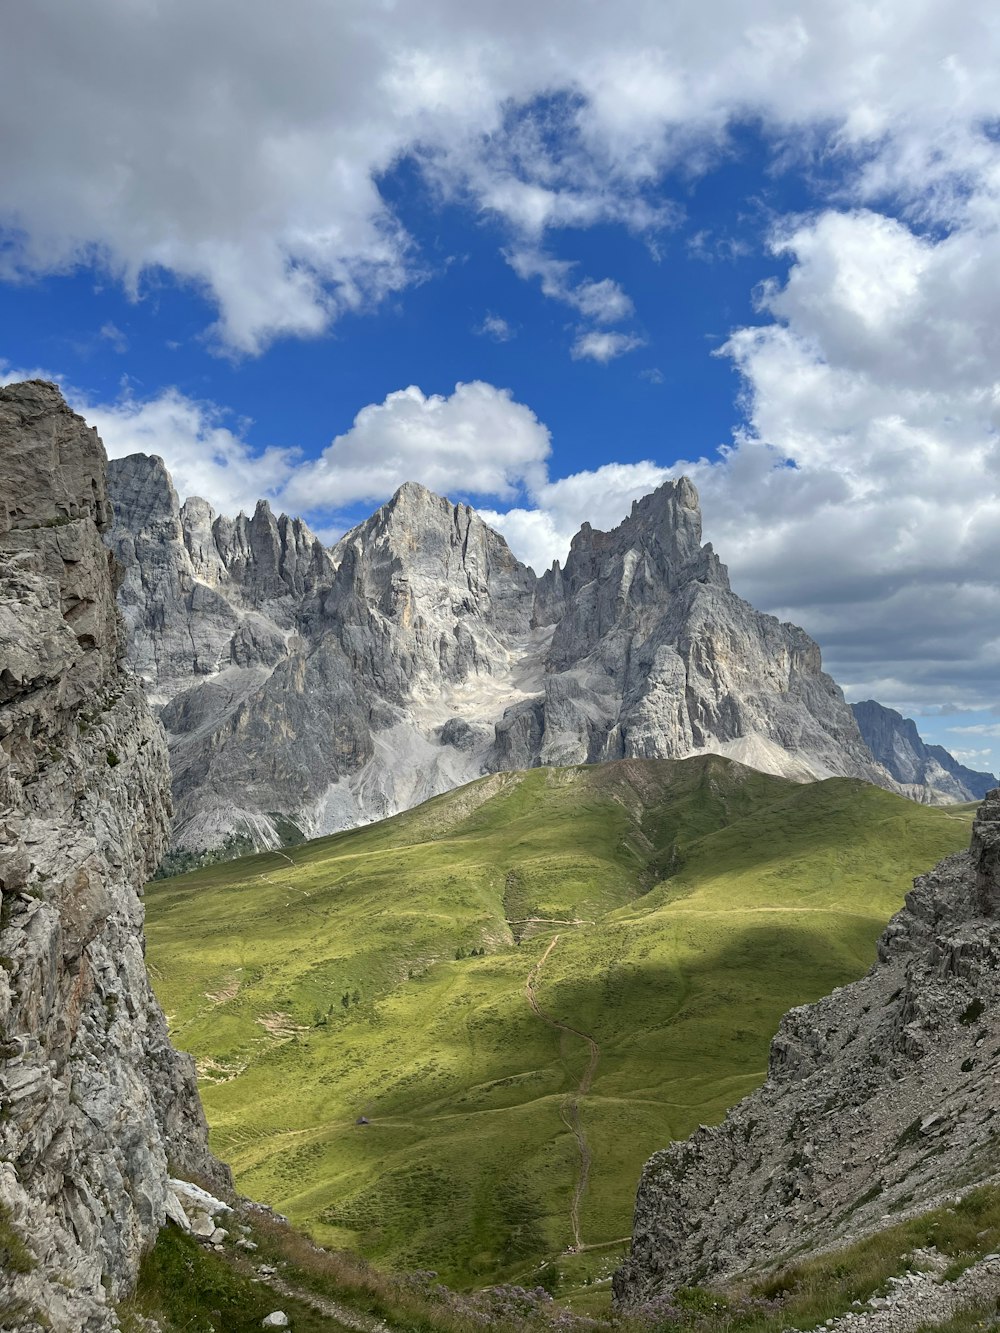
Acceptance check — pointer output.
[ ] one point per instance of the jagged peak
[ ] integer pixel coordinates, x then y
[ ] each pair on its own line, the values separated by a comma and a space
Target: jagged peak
411, 500
142, 491
197, 508
414, 495
666, 524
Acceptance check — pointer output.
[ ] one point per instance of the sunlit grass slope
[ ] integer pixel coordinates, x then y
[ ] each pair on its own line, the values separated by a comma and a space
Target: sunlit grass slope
381, 974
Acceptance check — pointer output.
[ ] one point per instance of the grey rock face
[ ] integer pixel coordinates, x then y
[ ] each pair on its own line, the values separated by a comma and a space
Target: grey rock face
213, 607
94, 1097
928, 772
879, 1100
654, 656
338, 688
299, 683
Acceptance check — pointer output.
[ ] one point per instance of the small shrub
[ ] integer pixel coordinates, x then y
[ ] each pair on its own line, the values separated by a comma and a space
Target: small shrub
15, 1256
113, 759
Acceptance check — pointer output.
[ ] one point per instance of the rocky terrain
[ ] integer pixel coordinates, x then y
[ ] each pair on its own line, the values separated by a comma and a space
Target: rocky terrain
319, 690
926, 772
880, 1101
94, 1098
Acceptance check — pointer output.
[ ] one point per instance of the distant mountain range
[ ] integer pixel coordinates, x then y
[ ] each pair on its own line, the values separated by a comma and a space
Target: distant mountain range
308, 689
918, 767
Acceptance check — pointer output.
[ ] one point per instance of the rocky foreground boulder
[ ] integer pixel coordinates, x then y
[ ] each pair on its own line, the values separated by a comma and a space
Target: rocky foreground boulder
332, 688
880, 1101
94, 1098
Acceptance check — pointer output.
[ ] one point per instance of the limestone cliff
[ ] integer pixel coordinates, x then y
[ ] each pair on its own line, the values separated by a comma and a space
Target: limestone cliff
94, 1099
928, 773
654, 656
334, 688
880, 1101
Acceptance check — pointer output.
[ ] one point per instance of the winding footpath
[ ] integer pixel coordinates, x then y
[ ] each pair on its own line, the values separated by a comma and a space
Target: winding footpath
570, 1111
346, 1318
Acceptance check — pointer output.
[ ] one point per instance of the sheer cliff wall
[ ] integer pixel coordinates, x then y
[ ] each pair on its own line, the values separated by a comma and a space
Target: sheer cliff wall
94, 1098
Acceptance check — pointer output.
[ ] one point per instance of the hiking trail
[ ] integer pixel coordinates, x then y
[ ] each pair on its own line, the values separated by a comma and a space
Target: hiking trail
570, 1111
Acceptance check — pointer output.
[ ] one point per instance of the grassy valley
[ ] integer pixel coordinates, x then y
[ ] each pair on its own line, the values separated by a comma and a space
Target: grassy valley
450, 1040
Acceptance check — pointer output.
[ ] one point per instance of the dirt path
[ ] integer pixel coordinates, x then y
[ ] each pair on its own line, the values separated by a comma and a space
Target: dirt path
570, 1111
348, 1319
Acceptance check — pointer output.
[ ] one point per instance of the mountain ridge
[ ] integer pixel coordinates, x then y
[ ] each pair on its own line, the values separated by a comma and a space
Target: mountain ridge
329, 688
926, 772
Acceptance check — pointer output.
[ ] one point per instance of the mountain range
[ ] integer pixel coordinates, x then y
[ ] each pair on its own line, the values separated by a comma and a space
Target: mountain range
306, 690
922, 770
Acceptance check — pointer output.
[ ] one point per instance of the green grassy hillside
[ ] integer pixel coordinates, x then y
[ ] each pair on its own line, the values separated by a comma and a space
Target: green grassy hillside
524, 988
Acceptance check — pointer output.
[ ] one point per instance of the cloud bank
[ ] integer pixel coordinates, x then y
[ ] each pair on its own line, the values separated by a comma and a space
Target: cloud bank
241, 146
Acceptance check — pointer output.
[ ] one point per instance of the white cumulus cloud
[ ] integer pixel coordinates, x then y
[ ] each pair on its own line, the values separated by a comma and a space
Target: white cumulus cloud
477, 441
603, 345
240, 147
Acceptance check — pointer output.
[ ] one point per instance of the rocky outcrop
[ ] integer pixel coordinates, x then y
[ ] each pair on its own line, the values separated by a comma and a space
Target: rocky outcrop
94, 1099
202, 594
334, 688
880, 1101
928, 773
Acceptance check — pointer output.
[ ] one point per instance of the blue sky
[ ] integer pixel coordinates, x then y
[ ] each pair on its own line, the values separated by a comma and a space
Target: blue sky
541, 256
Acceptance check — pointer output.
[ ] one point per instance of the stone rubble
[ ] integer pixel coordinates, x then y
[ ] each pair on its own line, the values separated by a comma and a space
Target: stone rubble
919, 1299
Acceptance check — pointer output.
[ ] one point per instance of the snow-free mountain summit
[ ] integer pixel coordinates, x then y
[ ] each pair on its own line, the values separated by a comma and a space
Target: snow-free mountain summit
328, 688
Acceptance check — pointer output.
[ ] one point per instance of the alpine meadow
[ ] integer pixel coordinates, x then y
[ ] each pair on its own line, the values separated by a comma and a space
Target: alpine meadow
450, 1040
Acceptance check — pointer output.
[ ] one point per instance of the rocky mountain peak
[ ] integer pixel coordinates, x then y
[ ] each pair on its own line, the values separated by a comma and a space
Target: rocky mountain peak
61, 478
419, 555
665, 526
143, 486
336, 687
636, 565
927, 773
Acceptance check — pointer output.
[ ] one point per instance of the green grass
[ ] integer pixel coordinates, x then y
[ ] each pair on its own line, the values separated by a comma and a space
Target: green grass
189, 1289
694, 902
185, 1287
15, 1257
